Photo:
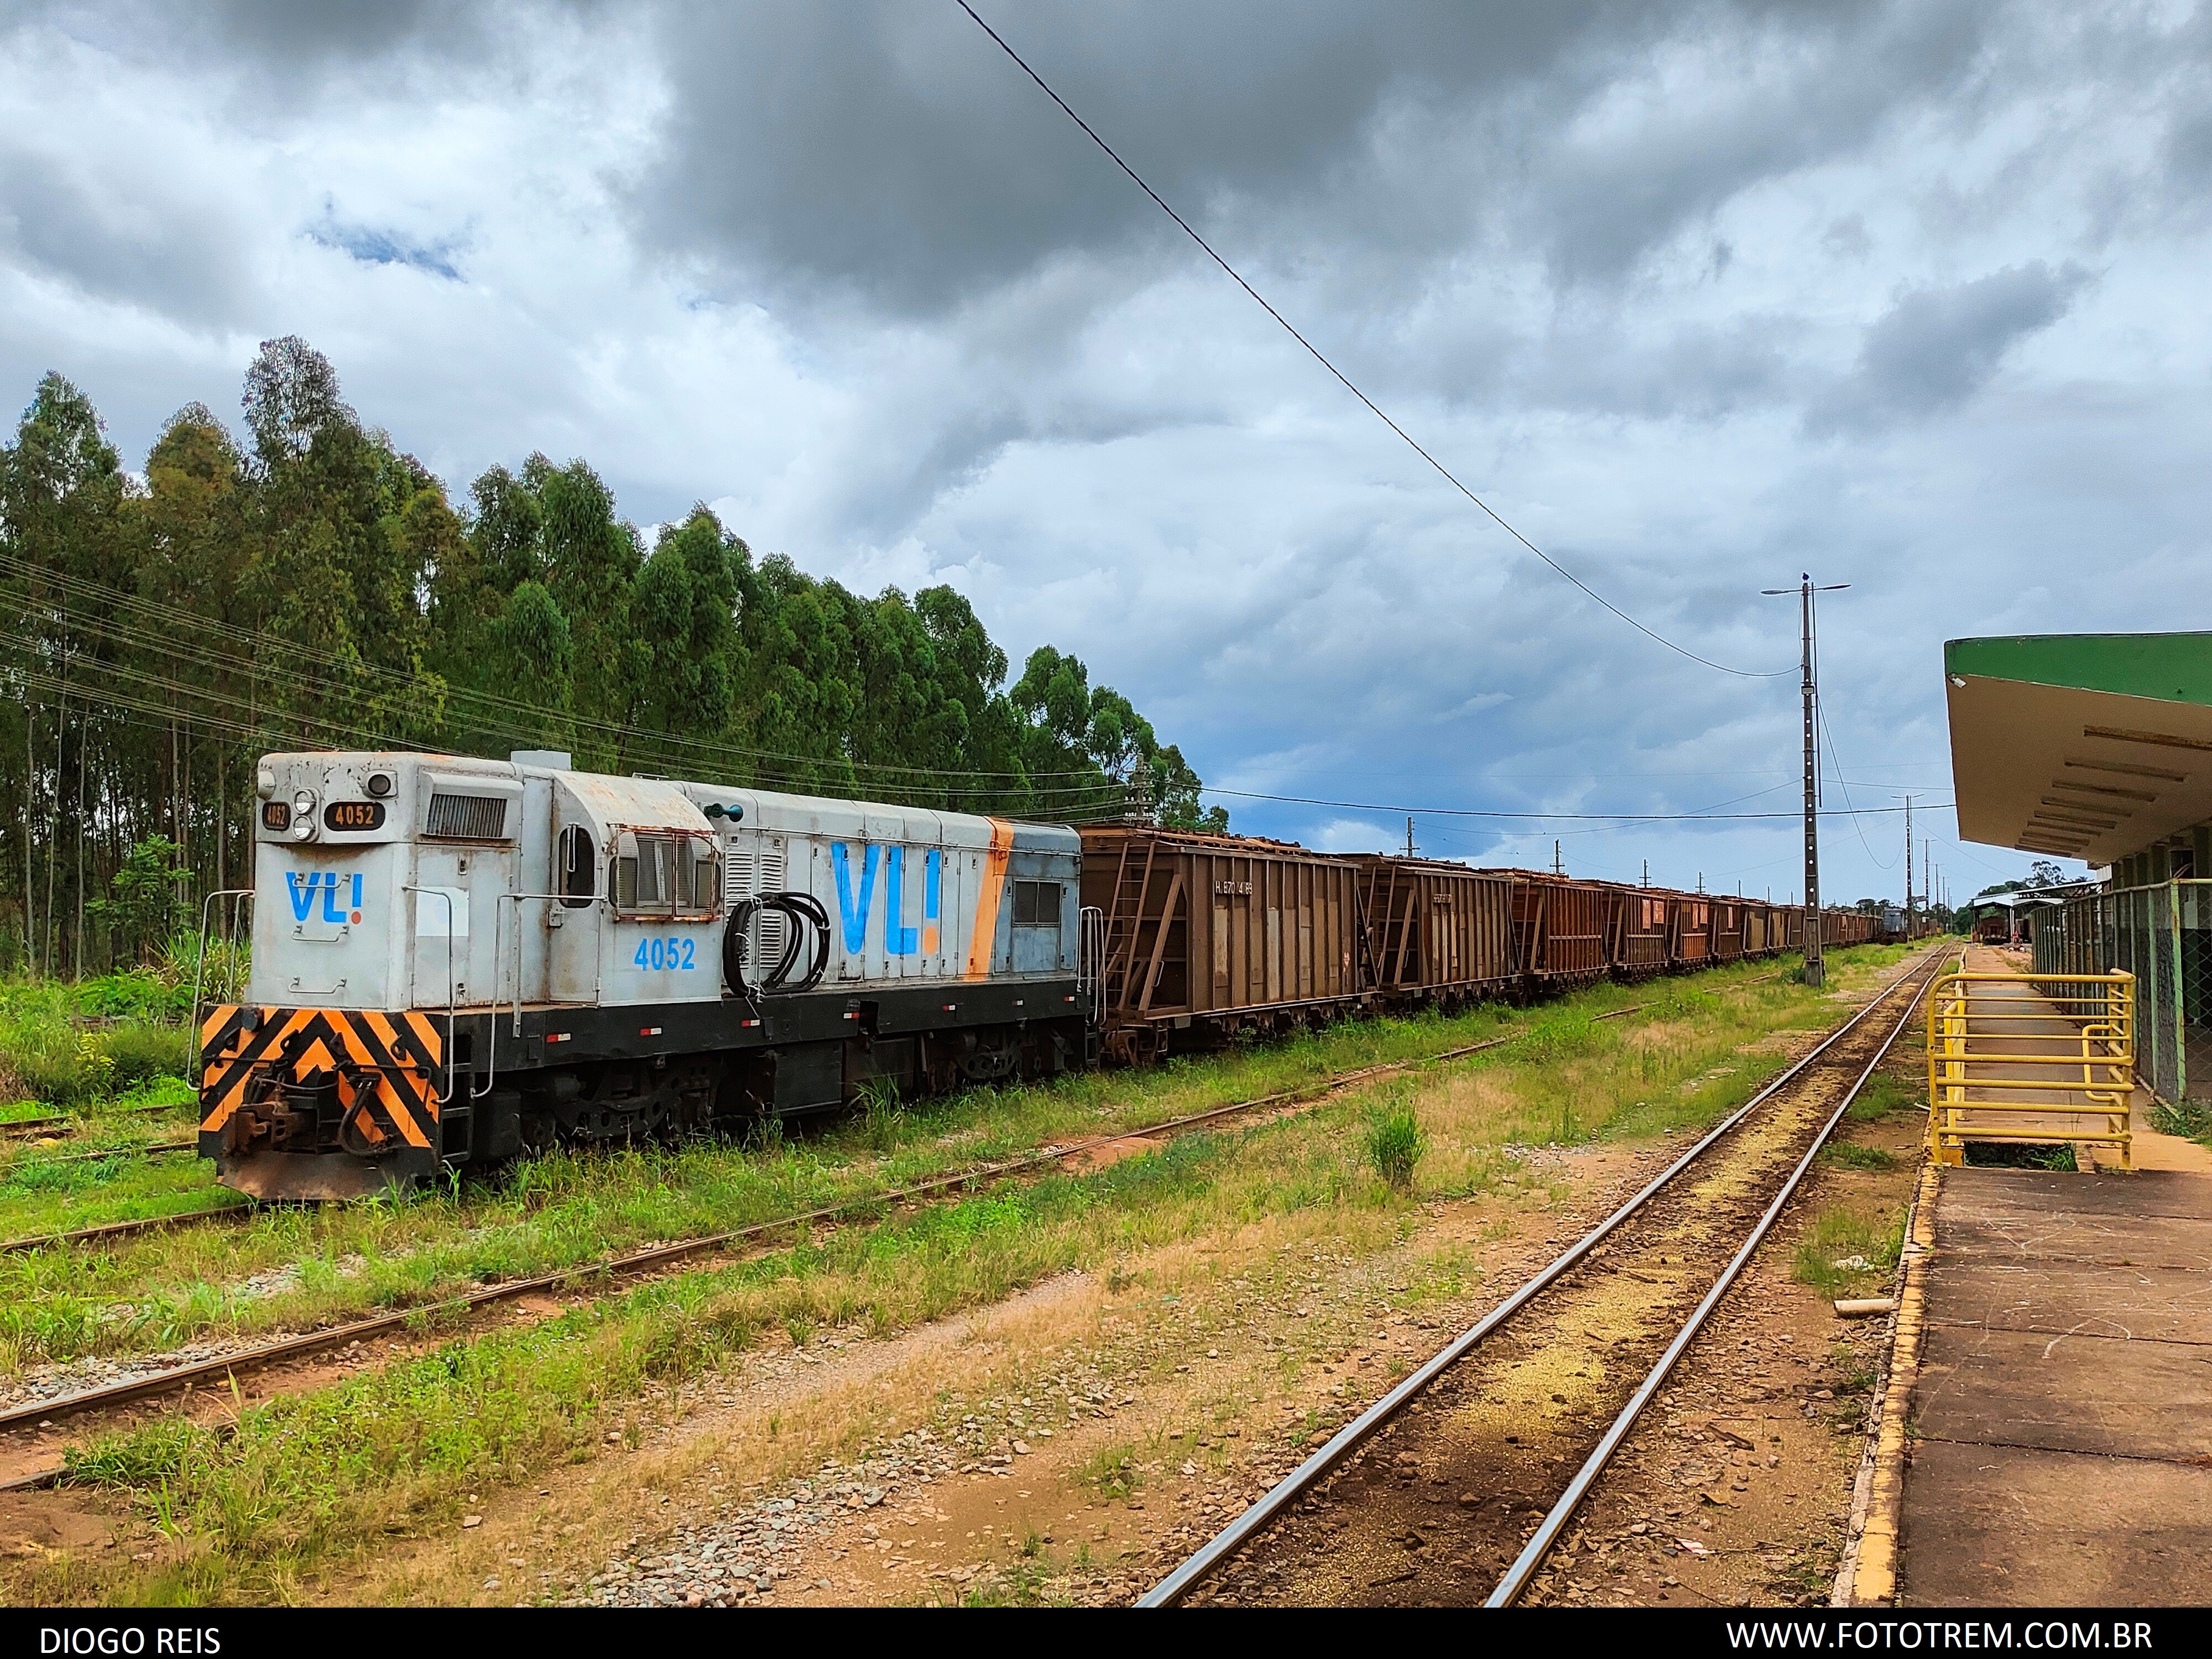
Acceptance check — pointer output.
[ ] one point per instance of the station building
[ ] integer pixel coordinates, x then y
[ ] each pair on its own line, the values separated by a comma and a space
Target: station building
2099, 747
2043, 1422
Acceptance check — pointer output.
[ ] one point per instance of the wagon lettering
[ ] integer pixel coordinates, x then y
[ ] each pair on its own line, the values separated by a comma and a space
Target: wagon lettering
854, 916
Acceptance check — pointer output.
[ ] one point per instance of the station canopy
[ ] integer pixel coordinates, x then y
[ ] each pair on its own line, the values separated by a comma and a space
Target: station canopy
2081, 745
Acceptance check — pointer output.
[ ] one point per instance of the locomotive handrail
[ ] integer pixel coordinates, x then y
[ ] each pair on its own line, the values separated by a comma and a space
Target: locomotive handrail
446, 894
491, 1045
1090, 961
199, 970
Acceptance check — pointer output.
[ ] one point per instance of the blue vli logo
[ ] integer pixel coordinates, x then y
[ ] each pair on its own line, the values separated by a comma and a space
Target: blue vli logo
899, 940
303, 896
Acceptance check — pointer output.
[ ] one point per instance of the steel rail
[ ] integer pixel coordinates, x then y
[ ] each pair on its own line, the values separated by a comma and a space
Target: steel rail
638, 1261
1525, 1564
1176, 1585
152, 1149
126, 1229
69, 1122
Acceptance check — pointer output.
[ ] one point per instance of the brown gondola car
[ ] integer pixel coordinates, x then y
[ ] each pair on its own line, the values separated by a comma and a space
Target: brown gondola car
1793, 927
1690, 932
1558, 930
1434, 930
1207, 934
1636, 937
1757, 928
1728, 929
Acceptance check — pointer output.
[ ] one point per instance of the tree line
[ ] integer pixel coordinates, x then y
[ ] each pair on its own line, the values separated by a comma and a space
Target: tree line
308, 583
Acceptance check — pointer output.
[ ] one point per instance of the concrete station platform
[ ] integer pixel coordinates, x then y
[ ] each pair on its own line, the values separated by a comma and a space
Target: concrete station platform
2047, 1426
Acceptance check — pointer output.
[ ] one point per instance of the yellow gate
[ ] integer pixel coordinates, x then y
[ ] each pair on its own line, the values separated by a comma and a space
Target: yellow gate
2044, 1059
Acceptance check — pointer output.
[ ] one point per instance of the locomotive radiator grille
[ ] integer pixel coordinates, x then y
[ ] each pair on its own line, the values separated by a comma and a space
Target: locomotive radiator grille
466, 817
383, 1067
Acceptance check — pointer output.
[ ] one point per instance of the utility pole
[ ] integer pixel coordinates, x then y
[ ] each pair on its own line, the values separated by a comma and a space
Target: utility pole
1927, 865
1409, 835
1816, 973
1558, 868
1908, 866
1646, 882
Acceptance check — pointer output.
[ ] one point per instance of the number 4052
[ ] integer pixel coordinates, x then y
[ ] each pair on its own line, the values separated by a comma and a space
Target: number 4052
652, 953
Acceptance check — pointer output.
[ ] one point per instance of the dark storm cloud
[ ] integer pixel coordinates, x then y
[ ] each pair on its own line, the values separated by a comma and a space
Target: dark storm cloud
124, 241
892, 148
1938, 347
283, 40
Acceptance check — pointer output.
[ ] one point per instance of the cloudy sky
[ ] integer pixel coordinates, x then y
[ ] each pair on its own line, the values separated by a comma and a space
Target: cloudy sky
1911, 296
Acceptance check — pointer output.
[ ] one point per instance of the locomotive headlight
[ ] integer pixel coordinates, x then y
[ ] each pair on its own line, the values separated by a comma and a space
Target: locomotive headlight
303, 815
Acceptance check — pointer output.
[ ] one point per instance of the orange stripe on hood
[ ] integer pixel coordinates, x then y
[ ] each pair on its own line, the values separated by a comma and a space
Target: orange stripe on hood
985, 931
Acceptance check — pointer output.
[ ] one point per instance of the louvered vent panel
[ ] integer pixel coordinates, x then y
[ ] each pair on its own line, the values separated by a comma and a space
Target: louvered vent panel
467, 818
771, 926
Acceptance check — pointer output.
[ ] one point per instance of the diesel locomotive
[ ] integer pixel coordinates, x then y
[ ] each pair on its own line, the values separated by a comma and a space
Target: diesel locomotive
458, 961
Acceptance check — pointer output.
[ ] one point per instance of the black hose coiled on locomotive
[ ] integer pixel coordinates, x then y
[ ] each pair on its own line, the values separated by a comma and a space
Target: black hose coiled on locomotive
807, 919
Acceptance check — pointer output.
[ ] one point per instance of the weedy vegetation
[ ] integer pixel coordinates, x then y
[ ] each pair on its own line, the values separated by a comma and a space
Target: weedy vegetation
1394, 1141
1847, 1252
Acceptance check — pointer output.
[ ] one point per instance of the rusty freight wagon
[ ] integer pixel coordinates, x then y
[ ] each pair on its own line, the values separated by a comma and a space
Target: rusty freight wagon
1204, 935
1728, 929
1558, 930
1432, 929
1636, 941
1693, 939
1759, 937
1793, 926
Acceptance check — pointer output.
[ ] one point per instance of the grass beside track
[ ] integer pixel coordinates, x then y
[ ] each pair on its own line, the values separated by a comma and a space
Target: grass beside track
302, 1487
287, 1269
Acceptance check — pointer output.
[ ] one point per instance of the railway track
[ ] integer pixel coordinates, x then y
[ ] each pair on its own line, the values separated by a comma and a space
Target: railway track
152, 1149
114, 1230
634, 1264
1465, 1475
110, 1231
66, 1123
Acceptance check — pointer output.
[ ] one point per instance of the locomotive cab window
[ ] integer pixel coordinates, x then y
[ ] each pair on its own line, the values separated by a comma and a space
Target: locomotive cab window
580, 874
664, 875
1036, 903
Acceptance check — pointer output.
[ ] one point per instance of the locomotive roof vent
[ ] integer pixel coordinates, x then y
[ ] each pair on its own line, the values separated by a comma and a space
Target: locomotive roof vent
552, 760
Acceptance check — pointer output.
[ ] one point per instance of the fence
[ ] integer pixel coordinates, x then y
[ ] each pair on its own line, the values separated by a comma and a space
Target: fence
2004, 1065
2163, 936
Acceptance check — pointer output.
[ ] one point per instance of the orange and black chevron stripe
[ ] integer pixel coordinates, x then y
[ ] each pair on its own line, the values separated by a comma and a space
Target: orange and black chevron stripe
393, 1059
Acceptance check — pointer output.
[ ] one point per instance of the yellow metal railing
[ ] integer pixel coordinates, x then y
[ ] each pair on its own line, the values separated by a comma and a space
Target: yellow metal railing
2030, 1058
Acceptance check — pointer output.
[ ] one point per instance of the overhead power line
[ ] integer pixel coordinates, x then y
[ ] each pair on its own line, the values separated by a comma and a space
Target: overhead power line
1550, 818
157, 634
1344, 379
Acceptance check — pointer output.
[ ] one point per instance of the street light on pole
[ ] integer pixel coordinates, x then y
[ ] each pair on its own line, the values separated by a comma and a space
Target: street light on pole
1816, 971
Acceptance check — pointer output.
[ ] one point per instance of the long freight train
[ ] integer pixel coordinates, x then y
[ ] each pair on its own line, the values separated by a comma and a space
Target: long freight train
456, 960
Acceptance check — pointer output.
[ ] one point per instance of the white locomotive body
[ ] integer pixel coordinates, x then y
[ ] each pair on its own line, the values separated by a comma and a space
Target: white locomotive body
456, 959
